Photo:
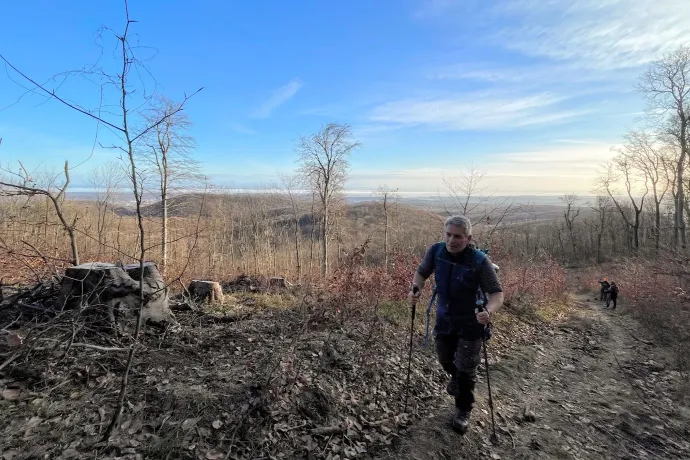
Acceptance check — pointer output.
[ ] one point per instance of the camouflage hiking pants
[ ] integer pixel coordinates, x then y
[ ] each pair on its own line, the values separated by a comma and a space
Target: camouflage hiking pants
460, 357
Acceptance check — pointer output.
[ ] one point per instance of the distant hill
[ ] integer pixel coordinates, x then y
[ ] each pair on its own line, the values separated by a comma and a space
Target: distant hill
277, 207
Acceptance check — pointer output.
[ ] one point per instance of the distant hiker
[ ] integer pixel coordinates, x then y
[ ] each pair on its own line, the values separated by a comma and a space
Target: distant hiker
459, 271
612, 292
604, 286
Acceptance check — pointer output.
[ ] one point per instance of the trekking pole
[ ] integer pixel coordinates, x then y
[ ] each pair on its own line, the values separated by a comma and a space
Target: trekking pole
485, 337
494, 437
428, 316
415, 290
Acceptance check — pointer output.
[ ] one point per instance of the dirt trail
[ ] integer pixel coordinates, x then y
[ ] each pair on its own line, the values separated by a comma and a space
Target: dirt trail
592, 388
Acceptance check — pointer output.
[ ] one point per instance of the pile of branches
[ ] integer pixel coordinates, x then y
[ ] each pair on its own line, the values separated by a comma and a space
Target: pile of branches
37, 298
271, 384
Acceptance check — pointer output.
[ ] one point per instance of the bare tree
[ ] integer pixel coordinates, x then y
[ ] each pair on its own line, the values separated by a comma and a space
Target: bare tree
105, 180
388, 199
312, 228
290, 184
466, 191
653, 160
467, 198
570, 214
666, 84
21, 183
324, 165
602, 207
622, 168
168, 149
122, 125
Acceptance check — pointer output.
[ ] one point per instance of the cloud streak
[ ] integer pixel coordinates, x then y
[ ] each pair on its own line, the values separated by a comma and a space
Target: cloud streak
240, 128
597, 34
279, 97
554, 170
592, 34
476, 111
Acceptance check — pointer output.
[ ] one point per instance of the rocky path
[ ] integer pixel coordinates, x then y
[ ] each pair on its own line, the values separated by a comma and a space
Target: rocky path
593, 388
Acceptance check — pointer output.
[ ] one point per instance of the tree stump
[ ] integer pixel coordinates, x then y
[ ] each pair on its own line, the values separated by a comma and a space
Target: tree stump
111, 292
206, 291
277, 283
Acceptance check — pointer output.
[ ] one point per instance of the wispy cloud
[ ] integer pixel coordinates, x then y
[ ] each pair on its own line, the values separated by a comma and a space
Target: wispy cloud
524, 75
597, 34
577, 141
476, 111
591, 34
589, 52
548, 170
605, 34
240, 128
582, 160
279, 97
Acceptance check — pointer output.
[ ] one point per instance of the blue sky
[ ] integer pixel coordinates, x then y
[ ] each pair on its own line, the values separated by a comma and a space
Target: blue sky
535, 92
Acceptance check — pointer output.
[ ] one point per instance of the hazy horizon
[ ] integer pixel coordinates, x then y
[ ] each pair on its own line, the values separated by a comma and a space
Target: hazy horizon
410, 198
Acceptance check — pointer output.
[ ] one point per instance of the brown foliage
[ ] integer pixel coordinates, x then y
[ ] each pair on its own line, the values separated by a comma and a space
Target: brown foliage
533, 278
655, 291
355, 288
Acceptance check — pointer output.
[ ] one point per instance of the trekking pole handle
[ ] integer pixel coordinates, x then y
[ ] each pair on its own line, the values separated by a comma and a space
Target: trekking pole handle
487, 327
415, 292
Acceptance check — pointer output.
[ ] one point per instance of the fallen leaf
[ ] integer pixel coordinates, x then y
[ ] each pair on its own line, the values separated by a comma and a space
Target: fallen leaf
189, 423
217, 424
10, 454
70, 453
33, 421
11, 394
13, 340
214, 455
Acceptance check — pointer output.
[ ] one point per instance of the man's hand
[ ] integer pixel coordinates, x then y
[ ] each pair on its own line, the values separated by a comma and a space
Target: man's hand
482, 316
413, 296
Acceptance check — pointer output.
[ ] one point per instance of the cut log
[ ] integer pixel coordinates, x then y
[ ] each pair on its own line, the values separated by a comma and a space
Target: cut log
111, 291
206, 291
277, 283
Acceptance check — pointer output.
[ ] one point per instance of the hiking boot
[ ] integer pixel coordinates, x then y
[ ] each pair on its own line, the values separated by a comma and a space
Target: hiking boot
461, 421
452, 388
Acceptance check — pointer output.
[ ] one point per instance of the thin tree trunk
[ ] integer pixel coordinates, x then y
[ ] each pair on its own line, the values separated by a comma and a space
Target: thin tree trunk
232, 242
68, 228
324, 243
311, 238
679, 230
657, 225
299, 266
164, 223
385, 241
636, 229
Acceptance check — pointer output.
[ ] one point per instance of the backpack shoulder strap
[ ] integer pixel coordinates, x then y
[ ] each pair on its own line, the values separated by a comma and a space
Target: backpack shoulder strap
478, 258
438, 249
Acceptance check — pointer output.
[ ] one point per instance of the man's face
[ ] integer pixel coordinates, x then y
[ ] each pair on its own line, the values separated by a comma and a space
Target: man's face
456, 239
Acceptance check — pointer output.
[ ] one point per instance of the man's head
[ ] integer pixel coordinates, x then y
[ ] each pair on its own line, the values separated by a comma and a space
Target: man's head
458, 233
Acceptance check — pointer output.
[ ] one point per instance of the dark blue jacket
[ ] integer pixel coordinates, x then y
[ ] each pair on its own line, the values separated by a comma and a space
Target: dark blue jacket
457, 285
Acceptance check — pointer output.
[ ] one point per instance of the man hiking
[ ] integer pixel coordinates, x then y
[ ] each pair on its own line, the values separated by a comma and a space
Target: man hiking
459, 271
604, 286
612, 292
